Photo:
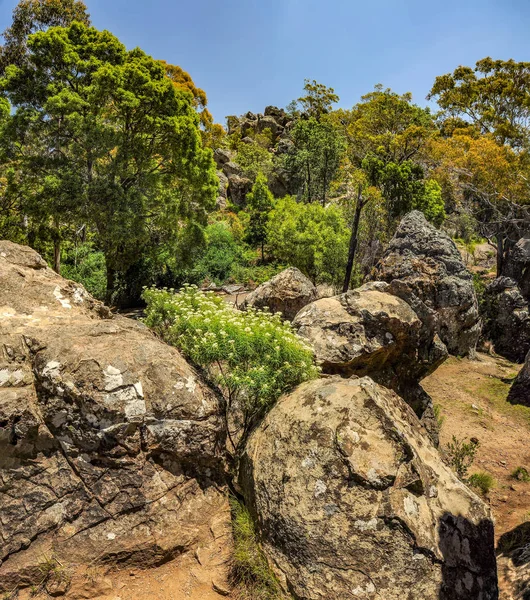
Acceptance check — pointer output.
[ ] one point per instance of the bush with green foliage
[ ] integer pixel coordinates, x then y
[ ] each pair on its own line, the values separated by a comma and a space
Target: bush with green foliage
431, 203
221, 253
86, 265
311, 237
521, 474
461, 455
251, 573
253, 275
253, 356
483, 482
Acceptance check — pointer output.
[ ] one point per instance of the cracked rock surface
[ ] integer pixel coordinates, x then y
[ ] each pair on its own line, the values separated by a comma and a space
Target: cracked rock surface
434, 281
371, 331
110, 444
353, 501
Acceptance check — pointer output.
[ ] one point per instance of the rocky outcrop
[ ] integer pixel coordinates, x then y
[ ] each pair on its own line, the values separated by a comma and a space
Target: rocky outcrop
352, 500
434, 281
110, 444
517, 265
286, 293
371, 331
507, 319
520, 390
273, 119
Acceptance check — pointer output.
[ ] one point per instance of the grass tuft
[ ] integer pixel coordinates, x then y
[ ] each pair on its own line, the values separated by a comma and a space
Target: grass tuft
481, 481
521, 474
251, 574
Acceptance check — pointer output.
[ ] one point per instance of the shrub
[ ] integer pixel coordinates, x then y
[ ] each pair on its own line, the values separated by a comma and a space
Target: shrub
311, 237
222, 252
86, 265
252, 356
254, 275
521, 474
481, 481
251, 574
440, 418
461, 455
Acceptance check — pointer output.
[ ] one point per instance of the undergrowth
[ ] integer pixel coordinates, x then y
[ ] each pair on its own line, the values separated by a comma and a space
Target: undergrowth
482, 481
521, 474
251, 574
461, 455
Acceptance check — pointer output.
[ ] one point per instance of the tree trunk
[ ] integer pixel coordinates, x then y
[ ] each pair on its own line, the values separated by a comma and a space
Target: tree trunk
353, 242
57, 255
262, 251
500, 254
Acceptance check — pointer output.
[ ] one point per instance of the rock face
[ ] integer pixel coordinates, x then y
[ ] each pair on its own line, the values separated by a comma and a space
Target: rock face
248, 126
434, 281
110, 444
352, 501
507, 319
517, 265
371, 331
287, 292
520, 390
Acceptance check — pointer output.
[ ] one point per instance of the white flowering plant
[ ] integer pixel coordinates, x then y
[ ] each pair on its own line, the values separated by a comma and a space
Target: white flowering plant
253, 356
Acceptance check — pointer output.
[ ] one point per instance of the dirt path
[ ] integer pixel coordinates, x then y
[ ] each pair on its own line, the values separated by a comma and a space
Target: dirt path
472, 398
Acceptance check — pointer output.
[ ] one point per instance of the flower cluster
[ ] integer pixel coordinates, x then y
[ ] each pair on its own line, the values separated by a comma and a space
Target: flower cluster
253, 356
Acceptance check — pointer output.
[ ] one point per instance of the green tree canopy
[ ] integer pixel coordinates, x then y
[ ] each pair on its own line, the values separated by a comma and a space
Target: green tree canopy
318, 99
314, 159
386, 125
103, 136
31, 16
493, 96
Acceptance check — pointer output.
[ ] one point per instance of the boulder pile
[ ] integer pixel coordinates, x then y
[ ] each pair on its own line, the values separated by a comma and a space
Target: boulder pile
112, 448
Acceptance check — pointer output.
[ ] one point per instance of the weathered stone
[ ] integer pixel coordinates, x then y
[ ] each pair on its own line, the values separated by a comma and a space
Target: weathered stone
435, 281
270, 123
287, 293
352, 501
248, 127
520, 390
507, 319
232, 168
238, 188
369, 331
276, 113
517, 266
223, 190
221, 157
110, 444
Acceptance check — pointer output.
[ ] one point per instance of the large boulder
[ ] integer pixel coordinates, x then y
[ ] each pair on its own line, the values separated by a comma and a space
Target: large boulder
110, 444
520, 391
352, 501
517, 265
507, 319
435, 281
371, 331
238, 188
287, 293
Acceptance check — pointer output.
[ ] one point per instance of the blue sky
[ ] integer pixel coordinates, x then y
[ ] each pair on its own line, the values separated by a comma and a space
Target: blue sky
247, 54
